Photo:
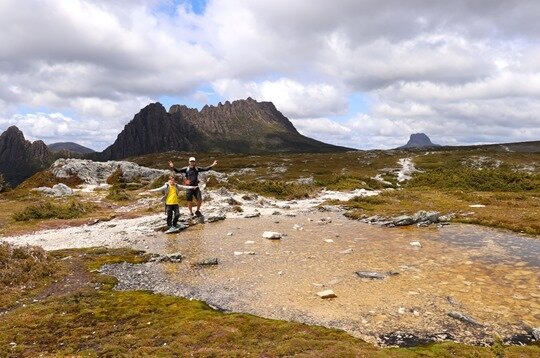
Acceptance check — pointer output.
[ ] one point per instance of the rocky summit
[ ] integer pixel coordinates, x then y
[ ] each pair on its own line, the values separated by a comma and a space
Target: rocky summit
419, 140
243, 126
20, 158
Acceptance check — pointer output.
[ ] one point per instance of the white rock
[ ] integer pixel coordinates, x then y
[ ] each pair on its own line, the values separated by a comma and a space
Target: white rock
272, 235
401, 310
347, 251
536, 333
415, 244
238, 253
326, 294
477, 206
229, 234
297, 227
249, 242
328, 240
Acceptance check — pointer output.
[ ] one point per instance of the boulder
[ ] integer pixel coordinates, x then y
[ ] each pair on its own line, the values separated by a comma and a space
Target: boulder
215, 217
57, 190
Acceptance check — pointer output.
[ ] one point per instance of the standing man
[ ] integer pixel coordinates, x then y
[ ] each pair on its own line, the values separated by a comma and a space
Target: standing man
170, 197
191, 173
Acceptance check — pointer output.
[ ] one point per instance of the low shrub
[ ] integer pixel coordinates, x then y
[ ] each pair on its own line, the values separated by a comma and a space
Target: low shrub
496, 179
22, 265
48, 210
275, 188
116, 193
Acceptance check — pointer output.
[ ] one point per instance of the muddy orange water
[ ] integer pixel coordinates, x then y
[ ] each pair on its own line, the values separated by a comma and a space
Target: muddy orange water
490, 275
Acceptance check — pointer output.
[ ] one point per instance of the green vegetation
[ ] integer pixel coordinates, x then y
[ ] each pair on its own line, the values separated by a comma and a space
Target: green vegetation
492, 179
85, 321
276, 189
49, 210
22, 270
118, 194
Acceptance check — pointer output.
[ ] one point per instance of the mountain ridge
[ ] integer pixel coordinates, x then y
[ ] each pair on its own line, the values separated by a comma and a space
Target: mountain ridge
241, 126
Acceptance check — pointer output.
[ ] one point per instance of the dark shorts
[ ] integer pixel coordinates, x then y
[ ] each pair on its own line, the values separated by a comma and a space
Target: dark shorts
193, 193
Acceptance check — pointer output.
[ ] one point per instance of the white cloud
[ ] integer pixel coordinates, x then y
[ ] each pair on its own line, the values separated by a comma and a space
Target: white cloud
293, 98
461, 69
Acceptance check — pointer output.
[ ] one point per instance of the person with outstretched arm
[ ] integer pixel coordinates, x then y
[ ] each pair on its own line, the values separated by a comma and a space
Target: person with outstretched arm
170, 191
191, 173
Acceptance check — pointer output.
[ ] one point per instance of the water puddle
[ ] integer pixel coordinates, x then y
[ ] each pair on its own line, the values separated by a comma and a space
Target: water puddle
491, 275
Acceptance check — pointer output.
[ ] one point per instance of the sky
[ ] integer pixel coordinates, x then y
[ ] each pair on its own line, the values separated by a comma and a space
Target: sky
362, 74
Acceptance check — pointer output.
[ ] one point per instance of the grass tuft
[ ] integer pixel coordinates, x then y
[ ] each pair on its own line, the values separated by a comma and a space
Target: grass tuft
48, 210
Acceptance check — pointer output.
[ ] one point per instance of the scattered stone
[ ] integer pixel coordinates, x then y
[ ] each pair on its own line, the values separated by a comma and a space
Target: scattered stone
208, 262
250, 197
232, 201
291, 215
224, 192
229, 234
477, 206
298, 227
536, 333
216, 217
347, 251
272, 235
415, 244
252, 215
175, 258
403, 220
326, 294
94, 222
328, 240
401, 310
249, 242
374, 275
464, 318
238, 253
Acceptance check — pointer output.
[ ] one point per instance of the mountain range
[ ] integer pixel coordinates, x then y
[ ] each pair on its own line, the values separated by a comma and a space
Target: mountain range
243, 126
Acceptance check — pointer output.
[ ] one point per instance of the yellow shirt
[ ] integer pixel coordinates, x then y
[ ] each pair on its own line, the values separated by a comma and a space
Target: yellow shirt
172, 196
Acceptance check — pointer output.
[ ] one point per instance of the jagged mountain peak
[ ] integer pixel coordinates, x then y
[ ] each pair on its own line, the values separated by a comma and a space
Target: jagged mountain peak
240, 126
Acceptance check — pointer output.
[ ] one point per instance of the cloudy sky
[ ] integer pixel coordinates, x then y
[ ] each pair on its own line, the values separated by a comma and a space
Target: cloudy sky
358, 73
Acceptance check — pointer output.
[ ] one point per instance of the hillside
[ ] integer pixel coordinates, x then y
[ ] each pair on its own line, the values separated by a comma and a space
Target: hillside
69, 147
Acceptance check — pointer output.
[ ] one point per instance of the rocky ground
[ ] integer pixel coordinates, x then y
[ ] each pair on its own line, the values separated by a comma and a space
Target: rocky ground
391, 286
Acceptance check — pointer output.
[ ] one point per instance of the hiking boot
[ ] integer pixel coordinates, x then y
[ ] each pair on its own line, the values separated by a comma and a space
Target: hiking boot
198, 214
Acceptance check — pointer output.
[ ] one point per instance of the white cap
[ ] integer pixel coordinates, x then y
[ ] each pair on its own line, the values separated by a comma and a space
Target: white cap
192, 159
